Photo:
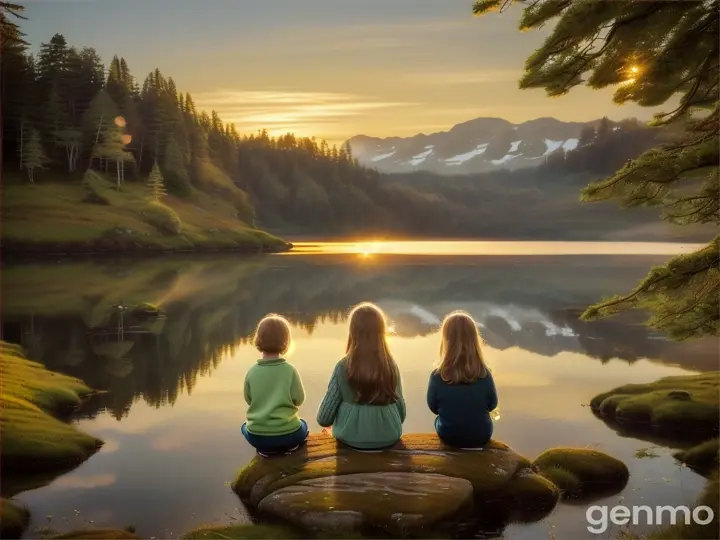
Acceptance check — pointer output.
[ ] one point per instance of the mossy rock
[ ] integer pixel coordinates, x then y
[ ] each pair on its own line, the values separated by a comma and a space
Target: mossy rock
703, 458
98, 534
685, 406
582, 473
395, 501
33, 440
328, 487
242, 532
146, 311
14, 518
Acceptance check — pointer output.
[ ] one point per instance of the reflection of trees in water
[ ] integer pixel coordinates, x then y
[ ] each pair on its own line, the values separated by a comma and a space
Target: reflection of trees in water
212, 307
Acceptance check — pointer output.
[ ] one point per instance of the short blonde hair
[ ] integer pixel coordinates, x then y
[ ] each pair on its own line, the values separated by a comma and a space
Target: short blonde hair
273, 335
461, 358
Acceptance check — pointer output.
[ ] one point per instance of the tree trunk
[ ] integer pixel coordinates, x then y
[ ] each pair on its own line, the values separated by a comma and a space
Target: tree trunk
142, 146
22, 136
117, 169
30, 174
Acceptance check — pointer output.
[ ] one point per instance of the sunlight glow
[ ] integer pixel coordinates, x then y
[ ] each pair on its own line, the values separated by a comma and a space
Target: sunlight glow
366, 249
475, 248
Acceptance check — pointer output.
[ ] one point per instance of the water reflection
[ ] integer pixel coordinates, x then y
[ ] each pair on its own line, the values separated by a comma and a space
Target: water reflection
173, 406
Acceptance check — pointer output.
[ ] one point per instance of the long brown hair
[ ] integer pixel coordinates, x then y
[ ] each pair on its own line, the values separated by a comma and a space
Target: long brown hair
461, 358
371, 370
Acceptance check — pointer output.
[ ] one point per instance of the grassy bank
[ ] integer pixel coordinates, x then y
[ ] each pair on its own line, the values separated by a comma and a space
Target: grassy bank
67, 215
683, 407
35, 446
32, 439
683, 410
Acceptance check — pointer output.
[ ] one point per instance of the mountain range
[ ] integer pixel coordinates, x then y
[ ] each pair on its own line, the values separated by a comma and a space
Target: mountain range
479, 145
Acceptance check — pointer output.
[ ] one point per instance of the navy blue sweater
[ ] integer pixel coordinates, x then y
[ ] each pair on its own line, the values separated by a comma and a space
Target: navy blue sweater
463, 410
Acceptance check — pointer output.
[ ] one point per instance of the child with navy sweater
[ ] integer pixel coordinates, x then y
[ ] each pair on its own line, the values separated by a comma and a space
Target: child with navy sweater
461, 391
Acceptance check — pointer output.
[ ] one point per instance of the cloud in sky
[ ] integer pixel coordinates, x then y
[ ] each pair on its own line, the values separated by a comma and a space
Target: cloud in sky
488, 76
280, 111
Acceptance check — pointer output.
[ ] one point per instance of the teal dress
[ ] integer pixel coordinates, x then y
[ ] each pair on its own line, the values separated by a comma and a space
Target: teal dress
360, 425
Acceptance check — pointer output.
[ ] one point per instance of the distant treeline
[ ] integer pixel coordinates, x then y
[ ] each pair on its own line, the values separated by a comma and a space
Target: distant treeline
59, 116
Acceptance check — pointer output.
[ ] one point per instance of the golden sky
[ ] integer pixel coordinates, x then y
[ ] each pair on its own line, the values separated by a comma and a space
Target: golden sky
332, 69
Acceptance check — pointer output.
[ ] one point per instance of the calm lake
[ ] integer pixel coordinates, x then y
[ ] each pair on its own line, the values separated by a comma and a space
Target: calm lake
172, 414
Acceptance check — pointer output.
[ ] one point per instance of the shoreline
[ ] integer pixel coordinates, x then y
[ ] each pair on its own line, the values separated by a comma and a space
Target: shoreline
71, 251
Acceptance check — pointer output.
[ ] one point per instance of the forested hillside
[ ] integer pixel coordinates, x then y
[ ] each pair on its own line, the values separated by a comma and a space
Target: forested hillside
91, 155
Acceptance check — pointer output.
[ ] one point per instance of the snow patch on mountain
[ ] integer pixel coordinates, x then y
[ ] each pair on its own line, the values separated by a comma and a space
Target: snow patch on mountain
570, 144
462, 158
504, 159
384, 156
422, 156
551, 146
514, 146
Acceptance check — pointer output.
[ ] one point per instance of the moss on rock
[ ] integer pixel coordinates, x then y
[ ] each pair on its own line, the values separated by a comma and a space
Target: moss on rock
685, 406
582, 472
326, 486
13, 518
242, 532
146, 310
32, 439
703, 458
528, 497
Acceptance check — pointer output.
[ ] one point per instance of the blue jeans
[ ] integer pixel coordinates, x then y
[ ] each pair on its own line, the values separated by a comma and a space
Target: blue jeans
478, 439
276, 443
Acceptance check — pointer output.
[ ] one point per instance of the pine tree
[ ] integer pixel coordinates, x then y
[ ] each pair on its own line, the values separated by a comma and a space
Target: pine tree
98, 117
155, 183
176, 175
652, 51
587, 136
15, 85
111, 148
34, 156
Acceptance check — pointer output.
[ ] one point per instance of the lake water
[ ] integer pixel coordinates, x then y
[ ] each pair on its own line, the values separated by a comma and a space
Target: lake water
174, 405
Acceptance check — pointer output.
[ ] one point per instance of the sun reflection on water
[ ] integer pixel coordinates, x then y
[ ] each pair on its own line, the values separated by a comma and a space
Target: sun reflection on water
470, 248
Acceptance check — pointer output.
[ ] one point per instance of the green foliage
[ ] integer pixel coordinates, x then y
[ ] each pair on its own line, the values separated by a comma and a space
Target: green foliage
176, 175
155, 183
94, 185
683, 295
652, 51
163, 218
34, 156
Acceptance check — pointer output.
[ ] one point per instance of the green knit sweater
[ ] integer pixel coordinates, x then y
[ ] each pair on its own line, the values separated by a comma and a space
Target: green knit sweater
273, 391
358, 424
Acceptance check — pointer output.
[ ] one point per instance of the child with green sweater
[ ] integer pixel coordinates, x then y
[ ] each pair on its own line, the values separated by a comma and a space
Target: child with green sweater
364, 402
273, 391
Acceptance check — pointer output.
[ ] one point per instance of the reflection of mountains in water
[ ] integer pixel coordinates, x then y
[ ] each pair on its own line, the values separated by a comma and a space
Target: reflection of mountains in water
213, 305
547, 334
